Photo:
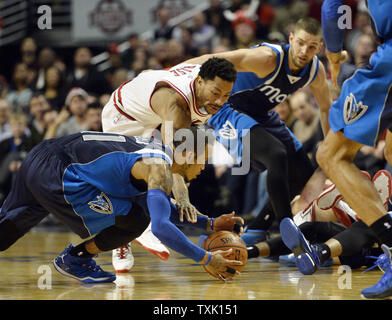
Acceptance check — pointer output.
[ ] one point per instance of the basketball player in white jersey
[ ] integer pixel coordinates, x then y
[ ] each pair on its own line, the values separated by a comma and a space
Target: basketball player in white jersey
167, 100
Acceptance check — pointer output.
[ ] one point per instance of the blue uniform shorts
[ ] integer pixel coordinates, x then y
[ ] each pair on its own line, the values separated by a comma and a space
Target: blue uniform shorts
43, 185
364, 108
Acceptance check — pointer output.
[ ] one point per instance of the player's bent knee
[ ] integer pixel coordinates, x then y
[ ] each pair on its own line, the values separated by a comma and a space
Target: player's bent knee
136, 221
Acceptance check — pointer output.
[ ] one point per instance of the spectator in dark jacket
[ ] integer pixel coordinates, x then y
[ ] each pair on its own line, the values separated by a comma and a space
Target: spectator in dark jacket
85, 75
38, 107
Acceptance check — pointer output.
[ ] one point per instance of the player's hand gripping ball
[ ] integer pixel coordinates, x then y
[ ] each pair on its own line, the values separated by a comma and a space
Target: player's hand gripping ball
225, 240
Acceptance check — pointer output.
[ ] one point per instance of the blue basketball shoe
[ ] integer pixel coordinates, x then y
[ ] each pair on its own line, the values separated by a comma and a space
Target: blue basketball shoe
83, 269
289, 260
306, 257
383, 288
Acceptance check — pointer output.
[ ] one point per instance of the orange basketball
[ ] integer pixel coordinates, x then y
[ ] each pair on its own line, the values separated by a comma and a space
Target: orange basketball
224, 240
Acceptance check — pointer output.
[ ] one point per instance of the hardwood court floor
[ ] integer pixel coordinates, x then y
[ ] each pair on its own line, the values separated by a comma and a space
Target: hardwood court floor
27, 273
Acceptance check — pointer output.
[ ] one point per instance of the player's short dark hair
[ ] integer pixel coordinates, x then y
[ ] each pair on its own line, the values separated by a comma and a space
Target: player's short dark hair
310, 25
218, 67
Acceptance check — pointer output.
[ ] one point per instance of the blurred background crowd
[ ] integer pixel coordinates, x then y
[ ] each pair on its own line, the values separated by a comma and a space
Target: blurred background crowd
48, 91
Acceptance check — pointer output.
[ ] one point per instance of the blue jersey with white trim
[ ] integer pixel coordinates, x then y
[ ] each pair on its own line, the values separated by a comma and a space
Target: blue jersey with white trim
380, 12
256, 96
104, 161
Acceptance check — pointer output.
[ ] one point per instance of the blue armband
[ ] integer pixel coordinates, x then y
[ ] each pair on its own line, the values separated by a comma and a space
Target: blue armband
209, 258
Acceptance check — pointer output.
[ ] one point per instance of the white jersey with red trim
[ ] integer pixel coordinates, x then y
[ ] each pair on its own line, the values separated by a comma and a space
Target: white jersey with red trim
132, 100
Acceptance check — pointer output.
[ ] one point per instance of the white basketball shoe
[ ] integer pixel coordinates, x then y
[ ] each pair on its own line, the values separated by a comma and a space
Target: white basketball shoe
331, 195
151, 243
122, 259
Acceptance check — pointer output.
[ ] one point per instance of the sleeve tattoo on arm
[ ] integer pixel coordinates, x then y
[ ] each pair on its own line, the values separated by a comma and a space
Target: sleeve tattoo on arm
160, 178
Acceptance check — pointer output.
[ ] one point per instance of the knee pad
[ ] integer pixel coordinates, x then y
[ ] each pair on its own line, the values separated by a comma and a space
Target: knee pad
135, 222
126, 229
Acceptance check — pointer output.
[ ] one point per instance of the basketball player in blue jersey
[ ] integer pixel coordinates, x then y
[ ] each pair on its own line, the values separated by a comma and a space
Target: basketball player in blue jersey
109, 187
358, 117
267, 75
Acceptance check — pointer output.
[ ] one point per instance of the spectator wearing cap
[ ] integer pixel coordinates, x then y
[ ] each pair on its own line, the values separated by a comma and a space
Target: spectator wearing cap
244, 32
76, 107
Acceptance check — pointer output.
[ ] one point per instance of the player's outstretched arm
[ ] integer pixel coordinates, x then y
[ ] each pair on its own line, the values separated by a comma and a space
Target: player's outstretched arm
159, 186
175, 115
261, 60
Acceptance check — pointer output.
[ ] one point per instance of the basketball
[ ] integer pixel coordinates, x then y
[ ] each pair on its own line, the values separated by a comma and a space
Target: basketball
224, 240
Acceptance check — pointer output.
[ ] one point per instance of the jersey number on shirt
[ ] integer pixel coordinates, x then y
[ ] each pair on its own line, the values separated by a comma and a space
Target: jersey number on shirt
182, 71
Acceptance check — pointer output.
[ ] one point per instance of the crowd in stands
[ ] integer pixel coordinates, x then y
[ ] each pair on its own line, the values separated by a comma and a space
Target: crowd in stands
45, 98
